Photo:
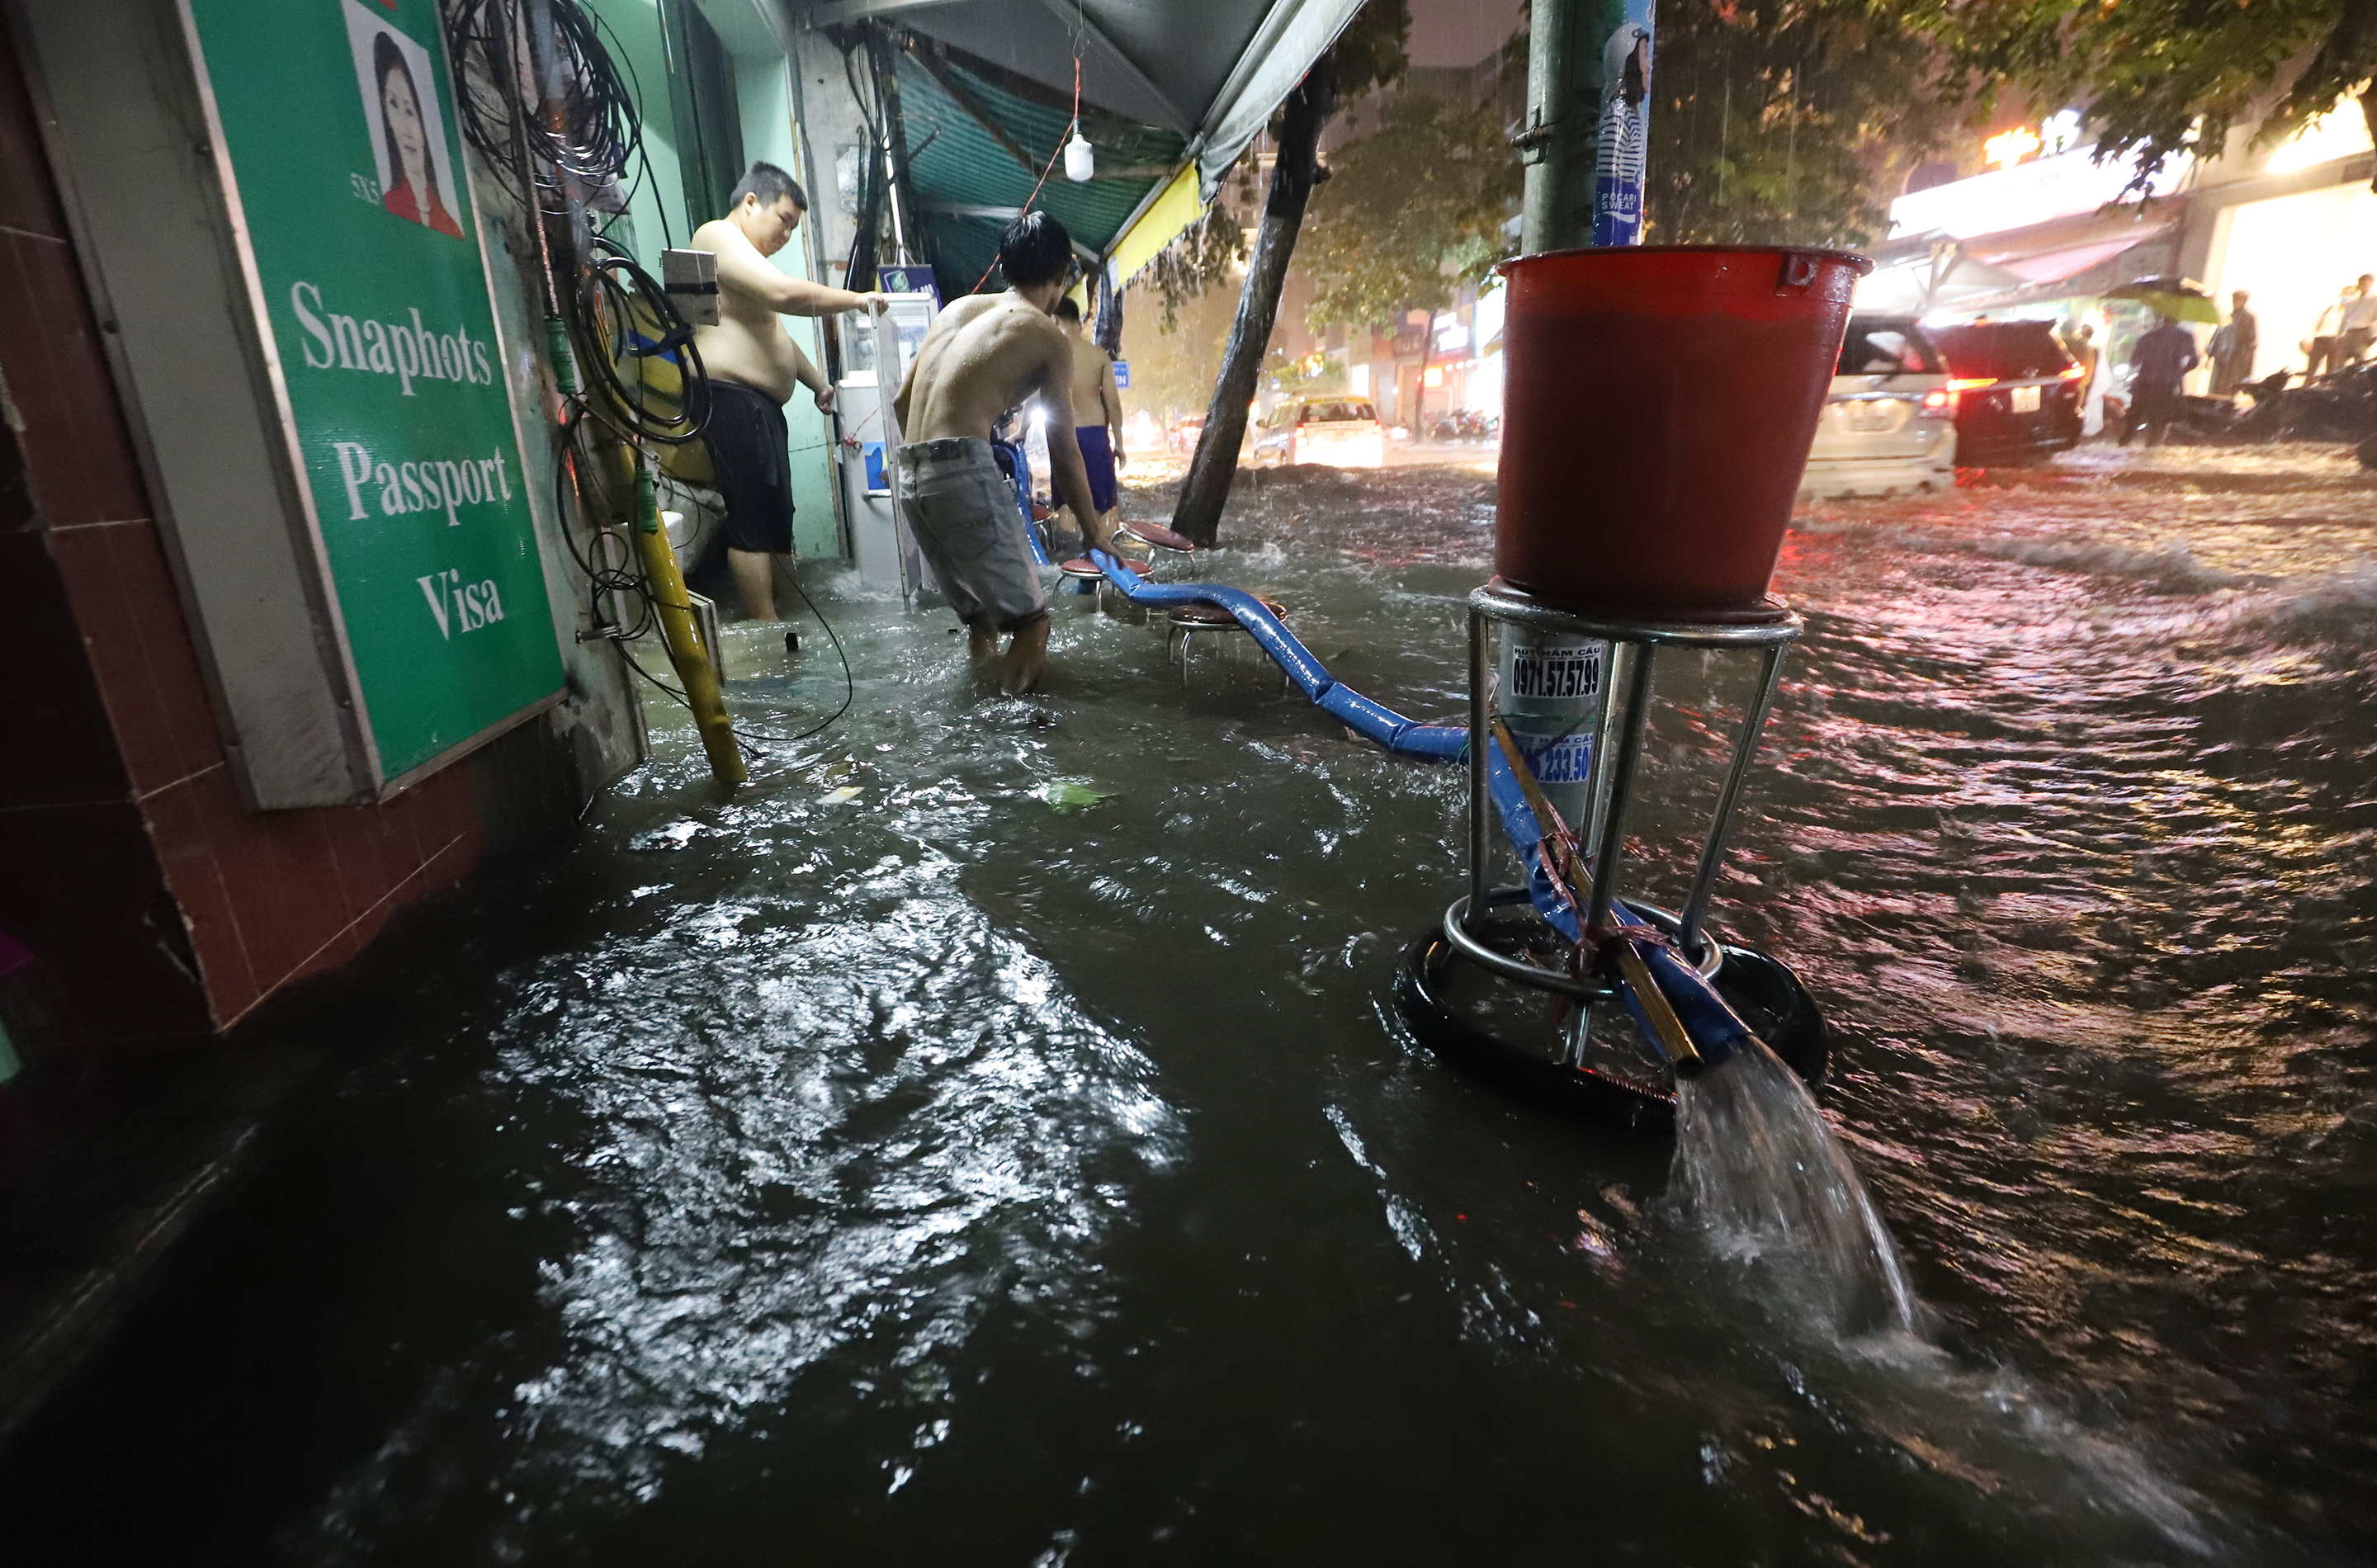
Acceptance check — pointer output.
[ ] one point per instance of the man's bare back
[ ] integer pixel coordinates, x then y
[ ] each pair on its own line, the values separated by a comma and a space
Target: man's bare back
983, 356
986, 354
1092, 370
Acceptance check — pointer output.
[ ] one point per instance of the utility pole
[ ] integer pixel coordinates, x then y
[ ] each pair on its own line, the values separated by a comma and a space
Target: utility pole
1588, 105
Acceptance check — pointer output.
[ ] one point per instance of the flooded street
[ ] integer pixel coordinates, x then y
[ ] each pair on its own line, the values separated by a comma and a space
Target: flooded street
988, 1138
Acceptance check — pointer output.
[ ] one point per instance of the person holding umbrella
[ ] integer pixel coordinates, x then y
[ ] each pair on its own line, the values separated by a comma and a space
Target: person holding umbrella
2157, 361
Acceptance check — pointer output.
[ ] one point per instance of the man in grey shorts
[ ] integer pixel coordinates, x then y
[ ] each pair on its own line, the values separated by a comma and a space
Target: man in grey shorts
986, 354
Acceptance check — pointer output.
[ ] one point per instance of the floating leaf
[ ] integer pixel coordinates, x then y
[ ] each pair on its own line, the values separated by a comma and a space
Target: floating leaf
1071, 795
841, 796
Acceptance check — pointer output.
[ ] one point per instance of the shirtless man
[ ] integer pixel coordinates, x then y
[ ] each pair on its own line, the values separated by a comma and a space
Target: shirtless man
1097, 416
986, 354
752, 367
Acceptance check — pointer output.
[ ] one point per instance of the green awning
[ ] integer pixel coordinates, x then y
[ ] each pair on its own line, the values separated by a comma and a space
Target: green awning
978, 139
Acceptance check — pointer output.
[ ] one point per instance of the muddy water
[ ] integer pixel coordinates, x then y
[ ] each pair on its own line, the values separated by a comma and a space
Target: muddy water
987, 1138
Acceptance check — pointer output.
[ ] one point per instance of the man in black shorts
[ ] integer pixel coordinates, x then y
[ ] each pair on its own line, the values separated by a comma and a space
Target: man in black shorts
753, 367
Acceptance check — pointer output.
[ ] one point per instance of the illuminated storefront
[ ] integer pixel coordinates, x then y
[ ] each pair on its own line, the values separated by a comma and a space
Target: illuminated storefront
2294, 248
2048, 230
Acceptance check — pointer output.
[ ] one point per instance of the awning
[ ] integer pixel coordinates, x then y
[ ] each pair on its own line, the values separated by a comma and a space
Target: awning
1164, 88
1929, 273
2062, 249
979, 136
1163, 221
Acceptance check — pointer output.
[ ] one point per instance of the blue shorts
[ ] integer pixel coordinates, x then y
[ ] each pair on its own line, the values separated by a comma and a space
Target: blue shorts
1097, 455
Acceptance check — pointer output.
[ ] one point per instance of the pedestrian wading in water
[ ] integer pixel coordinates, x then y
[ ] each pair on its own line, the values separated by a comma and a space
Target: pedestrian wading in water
754, 364
985, 355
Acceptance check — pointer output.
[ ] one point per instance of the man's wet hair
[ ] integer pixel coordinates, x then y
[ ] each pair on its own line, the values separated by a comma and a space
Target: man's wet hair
1035, 249
1069, 308
770, 184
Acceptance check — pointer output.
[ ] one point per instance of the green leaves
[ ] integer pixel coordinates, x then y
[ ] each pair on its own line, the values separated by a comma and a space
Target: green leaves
1773, 119
2160, 76
1068, 795
1410, 213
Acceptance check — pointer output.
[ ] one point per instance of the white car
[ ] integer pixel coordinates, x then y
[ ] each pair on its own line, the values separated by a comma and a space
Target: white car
1340, 431
1889, 422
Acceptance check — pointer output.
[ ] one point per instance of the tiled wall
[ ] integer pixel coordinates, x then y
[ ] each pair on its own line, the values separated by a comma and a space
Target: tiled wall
159, 907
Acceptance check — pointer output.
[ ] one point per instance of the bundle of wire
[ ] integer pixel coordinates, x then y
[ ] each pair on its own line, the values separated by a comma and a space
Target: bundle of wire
648, 384
626, 584
593, 131
642, 352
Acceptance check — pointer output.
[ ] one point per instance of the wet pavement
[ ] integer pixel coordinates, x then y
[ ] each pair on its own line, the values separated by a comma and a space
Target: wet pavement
987, 1137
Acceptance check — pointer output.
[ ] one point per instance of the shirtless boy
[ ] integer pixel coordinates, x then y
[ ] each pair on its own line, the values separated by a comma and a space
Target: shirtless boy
752, 367
1097, 415
986, 354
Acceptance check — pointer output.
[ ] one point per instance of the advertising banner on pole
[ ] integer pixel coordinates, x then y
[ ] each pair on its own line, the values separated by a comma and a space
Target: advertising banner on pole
1624, 36
335, 119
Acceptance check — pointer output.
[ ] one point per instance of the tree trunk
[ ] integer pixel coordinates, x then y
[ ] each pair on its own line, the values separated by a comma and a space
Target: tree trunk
2369, 113
1419, 387
1207, 489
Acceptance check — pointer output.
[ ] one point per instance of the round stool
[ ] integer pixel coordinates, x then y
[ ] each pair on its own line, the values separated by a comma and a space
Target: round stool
1079, 578
1185, 623
1163, 545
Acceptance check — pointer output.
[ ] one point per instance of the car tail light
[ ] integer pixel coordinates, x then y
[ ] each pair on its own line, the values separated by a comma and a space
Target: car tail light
1970, 383
1940, 400
2076, 372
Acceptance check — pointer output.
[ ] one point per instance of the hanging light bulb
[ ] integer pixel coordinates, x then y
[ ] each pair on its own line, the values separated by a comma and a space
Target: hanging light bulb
1080, 158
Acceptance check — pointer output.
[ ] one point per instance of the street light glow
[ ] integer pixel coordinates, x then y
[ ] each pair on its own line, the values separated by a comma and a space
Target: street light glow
2011, 148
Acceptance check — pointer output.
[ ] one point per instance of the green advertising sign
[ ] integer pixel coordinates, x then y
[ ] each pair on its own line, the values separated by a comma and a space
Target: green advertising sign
337, 119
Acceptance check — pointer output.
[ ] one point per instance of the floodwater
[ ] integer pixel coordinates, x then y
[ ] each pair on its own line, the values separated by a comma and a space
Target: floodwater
987, 1138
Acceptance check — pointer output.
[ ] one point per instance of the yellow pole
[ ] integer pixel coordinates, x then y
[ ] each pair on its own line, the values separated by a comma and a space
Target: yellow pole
694, 670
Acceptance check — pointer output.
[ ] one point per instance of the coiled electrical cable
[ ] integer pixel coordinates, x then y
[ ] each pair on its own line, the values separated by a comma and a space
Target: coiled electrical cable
634, 322
593, 132
628, 583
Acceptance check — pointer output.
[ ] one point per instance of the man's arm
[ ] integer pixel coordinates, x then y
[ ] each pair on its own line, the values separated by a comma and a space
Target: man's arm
744, 270
1110, 394
806, 372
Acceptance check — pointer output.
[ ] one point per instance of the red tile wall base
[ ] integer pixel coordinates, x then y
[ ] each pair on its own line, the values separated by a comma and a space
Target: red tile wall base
161, 910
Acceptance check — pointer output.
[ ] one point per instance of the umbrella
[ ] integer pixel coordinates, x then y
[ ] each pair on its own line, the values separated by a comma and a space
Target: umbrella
2174, 298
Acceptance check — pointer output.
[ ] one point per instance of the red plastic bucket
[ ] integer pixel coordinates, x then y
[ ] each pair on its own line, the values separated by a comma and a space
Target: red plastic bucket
1658, 406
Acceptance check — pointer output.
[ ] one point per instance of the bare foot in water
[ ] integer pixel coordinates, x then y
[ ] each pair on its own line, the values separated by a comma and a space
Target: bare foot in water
1027, 659
982, 647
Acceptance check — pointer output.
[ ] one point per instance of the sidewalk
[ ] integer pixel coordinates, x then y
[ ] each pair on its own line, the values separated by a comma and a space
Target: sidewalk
103, 1171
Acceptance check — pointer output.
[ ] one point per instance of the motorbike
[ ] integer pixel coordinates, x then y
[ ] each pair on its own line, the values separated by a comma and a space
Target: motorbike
1464, 425
2341, 406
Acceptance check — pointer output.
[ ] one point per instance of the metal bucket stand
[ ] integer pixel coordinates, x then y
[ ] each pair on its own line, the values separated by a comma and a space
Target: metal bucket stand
1635, 645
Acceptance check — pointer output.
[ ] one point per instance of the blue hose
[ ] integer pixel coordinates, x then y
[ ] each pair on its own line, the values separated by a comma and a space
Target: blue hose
1018, 469
1715, 1029
1714, 1026
1370, 718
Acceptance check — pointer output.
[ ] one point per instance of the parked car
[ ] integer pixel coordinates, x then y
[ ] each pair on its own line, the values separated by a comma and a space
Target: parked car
2017, 390
1341, 432
1888, 421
